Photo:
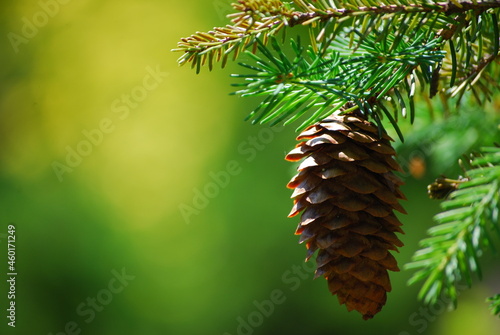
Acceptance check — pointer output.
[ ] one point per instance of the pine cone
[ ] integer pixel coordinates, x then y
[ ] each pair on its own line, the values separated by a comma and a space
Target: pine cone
347, 192
442, 187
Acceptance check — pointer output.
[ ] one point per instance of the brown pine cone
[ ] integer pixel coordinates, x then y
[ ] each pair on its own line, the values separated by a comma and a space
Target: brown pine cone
347, 192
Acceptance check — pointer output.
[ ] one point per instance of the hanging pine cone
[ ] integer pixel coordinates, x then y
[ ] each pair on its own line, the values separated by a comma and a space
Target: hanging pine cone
347, 190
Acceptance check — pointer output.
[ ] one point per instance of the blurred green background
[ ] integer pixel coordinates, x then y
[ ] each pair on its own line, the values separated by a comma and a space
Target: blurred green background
105, 147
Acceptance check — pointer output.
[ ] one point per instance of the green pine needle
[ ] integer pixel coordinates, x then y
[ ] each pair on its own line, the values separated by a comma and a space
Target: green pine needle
495, 304
360, 53
335, 78
462, 233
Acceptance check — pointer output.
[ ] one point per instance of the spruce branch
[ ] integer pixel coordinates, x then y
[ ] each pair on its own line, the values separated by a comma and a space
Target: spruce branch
384, 50
328, 82
464, 230
495, 304
252, 19
262, 18
473, 48
347, 8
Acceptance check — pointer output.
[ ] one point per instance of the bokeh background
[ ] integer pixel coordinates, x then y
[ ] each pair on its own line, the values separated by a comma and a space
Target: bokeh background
173, 218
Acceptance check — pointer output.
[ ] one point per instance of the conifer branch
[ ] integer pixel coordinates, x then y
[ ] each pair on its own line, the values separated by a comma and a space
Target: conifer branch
262, 18
369, 38
463, 232
495, 304
328, 83
389, 7
253, 19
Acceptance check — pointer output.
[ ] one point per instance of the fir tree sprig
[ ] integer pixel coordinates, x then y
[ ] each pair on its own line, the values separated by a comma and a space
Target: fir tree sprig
327, 82
495, 304
465, 230
393, 46
263, 18
473, 45
253, 19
